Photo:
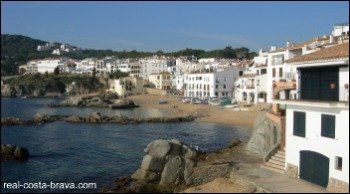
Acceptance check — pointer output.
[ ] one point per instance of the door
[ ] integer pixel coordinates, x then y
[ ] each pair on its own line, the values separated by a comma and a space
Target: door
314, 167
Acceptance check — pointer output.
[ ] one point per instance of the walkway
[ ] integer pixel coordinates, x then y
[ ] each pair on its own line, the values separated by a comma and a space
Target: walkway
270, 181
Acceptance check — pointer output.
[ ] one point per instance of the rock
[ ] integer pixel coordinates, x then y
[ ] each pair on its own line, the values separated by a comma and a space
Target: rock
189, 153
21, 153
122, 104
145, 175
206, 174
189, 165
12, 153
171, 171
95, 117
234, 142
152, 163
158, 148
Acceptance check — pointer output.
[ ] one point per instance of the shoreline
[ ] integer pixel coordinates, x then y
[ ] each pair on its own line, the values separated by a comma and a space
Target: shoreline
214, 114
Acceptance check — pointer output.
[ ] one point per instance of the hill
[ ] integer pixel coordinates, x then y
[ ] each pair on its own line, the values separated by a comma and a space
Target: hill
17, 50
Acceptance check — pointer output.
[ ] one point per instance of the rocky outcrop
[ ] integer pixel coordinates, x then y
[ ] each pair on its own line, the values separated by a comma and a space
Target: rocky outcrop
13, 153
266, 135
106, 100
94, 118
167, 163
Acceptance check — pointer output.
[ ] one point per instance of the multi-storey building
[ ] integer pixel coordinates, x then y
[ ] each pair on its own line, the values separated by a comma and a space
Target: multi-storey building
317, 121
162, 80
214, 84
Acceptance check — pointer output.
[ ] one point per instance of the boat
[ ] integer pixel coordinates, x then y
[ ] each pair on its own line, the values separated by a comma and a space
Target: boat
214, 102
186, 100
231, 105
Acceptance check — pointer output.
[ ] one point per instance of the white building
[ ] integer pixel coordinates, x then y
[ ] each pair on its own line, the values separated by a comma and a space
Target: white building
252, 86
317, 124
215, 84
153, 66
45, 65
341, 29
126, 86
162, 80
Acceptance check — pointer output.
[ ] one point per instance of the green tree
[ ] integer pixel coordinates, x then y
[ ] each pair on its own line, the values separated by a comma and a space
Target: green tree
57, 71
46, 74
94, 72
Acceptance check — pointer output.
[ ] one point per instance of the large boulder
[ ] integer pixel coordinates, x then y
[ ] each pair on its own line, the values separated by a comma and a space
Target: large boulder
122, 104
158, 148
13, 153
167, 163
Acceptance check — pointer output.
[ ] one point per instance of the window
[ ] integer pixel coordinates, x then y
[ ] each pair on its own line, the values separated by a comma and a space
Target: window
299, 124
338, 163
273, 72
281, 72
224, 86
216, 86
240, 73
328, 126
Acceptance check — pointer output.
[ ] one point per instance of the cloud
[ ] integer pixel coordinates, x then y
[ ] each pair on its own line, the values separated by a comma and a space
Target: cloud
228, 39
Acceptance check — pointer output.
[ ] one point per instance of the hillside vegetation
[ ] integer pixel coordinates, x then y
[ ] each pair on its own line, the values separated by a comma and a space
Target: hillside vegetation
17, 50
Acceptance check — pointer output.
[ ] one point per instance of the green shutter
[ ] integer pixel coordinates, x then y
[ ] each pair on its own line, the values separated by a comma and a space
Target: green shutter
299, 124
328, 126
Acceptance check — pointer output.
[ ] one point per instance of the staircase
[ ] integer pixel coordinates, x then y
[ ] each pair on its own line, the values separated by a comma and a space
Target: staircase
276, 162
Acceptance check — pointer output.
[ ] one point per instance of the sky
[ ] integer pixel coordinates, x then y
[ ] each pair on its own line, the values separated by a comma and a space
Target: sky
171, 26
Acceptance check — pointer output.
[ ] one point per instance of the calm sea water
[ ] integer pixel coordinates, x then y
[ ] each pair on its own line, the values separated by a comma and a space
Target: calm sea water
92, 153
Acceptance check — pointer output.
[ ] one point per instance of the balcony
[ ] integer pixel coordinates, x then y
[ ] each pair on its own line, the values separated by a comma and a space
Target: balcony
283, 85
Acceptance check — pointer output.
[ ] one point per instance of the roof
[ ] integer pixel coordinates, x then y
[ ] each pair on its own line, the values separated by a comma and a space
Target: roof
301, 45
334, 52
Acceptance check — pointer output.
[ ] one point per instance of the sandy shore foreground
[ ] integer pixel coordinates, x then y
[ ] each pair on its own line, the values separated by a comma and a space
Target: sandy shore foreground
215, 114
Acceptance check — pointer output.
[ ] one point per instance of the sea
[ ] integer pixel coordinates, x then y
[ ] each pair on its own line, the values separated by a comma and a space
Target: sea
65, 154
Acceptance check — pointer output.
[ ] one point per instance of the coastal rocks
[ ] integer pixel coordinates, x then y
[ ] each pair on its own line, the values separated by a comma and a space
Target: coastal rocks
93, 118
103, 100
167, 163
9, 121
265, 136
123, 104
13, 153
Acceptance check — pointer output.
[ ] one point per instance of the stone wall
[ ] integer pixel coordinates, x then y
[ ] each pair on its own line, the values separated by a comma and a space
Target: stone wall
337, 186
292, 170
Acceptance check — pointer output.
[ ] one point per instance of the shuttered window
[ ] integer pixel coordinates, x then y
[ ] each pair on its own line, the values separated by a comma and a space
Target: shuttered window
299, 124
328, 126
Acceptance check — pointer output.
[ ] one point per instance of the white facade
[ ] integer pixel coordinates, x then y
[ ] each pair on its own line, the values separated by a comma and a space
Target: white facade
252, 86
123, 67
45, 65
216, 84
341, 29
313, 141
152, 67
326, 139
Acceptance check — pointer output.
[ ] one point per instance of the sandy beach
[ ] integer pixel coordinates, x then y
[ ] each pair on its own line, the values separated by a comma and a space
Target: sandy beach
215, 114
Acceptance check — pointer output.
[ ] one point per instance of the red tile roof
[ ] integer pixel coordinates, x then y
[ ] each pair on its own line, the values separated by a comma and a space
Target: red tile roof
334, 52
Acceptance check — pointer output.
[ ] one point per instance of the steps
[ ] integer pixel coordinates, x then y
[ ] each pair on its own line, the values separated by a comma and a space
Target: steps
276, 162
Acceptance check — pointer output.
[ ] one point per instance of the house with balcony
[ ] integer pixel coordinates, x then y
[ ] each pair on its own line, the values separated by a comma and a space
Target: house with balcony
251, 86
317, 120
214, 84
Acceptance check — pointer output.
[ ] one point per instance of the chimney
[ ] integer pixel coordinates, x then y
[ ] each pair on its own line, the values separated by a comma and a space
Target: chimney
331, 38
273, 48
288, 44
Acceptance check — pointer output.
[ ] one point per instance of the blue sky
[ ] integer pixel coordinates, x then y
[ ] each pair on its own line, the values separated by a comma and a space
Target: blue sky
171, 26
